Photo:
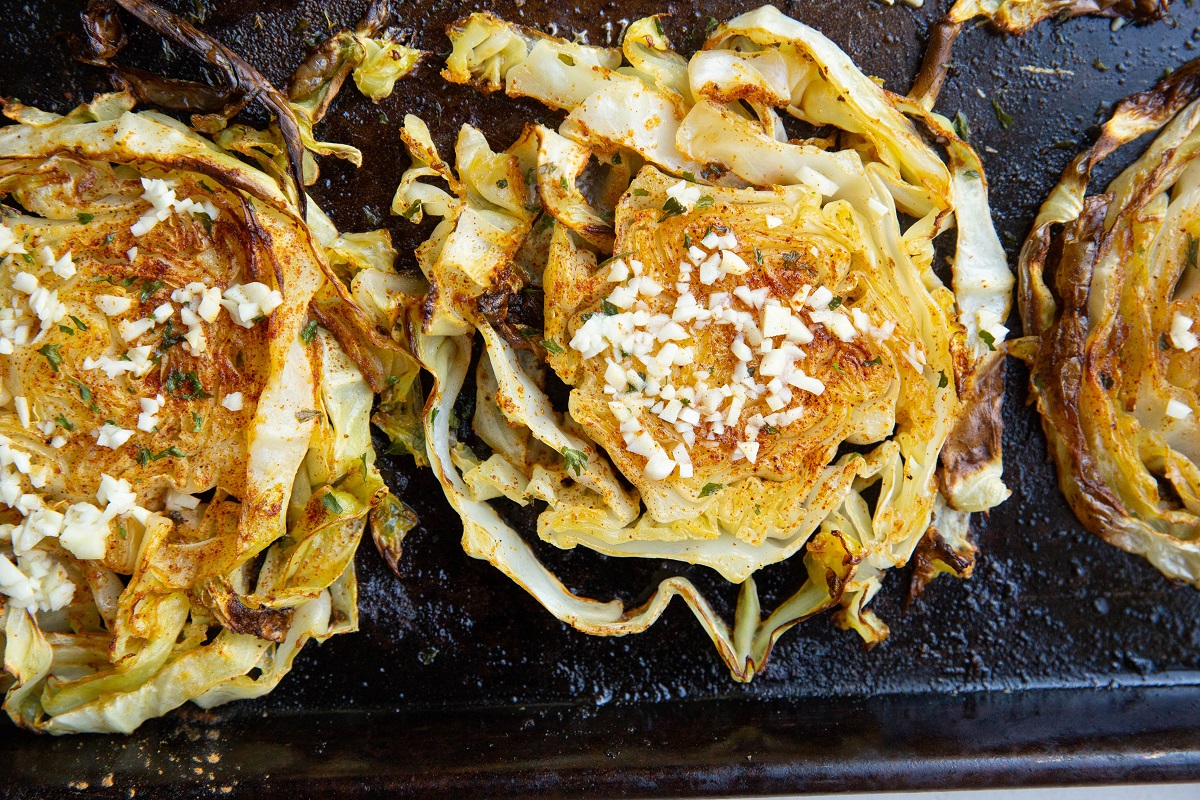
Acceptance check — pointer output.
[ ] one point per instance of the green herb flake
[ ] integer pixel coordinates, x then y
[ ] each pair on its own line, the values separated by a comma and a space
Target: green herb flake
608, 308
204, 219
710, 489
1192, 253
575, 460
331, 502
770, 429
566, 59
1002, 116
185, 385
197, 422
62, 420
962, 126
67, 329
790, 259
638, 191
616, 159
412, 210
687, 240
704, 203
658, 28
85, 394
988, 339
672, 208
874, 362
943, 381
309, 332
758, 257
145, 455
711, 25
85, 218
502, 183
50, 351
614, 257
78, 323
148, 290
553, 347
835, 302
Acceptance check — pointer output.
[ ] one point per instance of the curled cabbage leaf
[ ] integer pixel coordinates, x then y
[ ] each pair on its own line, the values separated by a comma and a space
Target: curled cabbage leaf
185, 456
1110, 288
667, 240
1015, 17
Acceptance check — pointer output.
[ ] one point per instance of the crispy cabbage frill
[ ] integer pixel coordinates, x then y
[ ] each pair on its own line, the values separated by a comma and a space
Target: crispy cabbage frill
185, 460
763, 361
1109, 292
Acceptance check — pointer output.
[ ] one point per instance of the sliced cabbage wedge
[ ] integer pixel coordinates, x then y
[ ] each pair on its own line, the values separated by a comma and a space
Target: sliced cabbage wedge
184, 450
763, 363
1110, 290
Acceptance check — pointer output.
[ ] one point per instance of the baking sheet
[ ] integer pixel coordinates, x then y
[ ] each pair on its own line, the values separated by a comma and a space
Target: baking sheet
1061, 660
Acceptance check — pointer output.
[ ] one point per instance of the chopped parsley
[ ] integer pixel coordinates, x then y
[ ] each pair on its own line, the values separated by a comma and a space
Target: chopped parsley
85, 394
50, 351
204, 219
562, 181
148, 290
575, 459
614, 257
502, 183
943, 381
185, 385
704, 203
309, 332
770, 429
608, 308
988, 339
758, 256
1002, 116
710, 489
331, 502
412, 210
197, 422
67, 329
566, 59
874, 362
171, 337
835, 302
78, 323
638, 191
688, 176
85, 218
790, 259
62, 420
962, 126
1192, 253
553, 347
145, 455
672, 208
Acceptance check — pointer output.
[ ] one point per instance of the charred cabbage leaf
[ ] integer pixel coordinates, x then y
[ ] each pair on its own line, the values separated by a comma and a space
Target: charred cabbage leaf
764, 364
1110, 289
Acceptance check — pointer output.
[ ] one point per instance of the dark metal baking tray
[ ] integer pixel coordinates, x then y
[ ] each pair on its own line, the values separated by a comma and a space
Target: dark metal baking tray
1062, 660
